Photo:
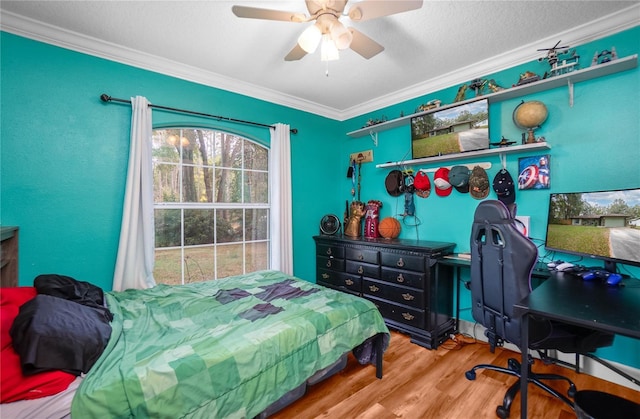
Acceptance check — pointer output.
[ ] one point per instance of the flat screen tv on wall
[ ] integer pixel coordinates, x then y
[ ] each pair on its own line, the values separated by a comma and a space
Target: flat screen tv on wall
453, 129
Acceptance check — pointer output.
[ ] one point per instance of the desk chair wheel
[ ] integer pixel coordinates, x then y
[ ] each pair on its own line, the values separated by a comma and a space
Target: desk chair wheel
502, 412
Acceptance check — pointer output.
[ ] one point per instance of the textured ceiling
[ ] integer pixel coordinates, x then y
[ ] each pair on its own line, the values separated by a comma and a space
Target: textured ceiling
443, 43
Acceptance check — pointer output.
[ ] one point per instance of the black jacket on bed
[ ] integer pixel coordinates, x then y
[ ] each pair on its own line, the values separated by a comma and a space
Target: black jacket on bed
52, 332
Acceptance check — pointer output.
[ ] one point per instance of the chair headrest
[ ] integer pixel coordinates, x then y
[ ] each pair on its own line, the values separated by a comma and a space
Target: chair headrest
492, 211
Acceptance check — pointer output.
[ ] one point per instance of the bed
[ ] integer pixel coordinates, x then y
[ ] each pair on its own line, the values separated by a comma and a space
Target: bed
243, 346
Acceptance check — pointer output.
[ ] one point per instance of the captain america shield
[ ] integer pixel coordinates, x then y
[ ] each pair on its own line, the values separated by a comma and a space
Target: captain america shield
528, 177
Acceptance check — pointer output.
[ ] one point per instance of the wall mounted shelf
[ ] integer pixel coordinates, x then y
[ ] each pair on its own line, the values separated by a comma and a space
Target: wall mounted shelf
470, 154
568, 79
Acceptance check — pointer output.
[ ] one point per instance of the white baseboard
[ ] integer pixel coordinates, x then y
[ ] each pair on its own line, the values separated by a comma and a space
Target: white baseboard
588, 366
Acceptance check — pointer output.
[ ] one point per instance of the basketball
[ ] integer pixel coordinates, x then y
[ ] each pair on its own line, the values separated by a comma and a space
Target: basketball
389, 228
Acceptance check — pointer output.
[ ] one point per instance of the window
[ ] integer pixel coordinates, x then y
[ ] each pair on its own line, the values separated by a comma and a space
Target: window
211, 205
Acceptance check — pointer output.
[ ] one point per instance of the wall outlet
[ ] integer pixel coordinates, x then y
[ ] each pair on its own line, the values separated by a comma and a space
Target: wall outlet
362, 156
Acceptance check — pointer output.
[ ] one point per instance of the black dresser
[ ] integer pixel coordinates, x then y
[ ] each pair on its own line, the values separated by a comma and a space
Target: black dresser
399, 276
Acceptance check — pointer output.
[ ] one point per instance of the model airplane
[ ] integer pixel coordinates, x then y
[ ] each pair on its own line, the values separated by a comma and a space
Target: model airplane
503, 143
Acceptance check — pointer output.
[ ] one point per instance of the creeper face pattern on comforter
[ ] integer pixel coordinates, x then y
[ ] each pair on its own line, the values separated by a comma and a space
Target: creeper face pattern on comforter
223, 348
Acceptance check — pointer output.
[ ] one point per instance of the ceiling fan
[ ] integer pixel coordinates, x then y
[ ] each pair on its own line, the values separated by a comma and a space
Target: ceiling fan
328, 30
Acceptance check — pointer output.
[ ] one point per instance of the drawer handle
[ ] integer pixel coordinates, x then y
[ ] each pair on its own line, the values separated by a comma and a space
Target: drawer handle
408, 297
400, 263
373, 288
329, 251
408, 316
360, 270
348, 281
325, 276
360, 256
328, 264
400, 278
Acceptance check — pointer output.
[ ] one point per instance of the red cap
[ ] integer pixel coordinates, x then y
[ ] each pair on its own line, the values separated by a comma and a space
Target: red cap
441, 180
422, 184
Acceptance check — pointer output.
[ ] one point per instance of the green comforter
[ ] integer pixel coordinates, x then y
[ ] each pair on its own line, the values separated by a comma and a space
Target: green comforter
216, 349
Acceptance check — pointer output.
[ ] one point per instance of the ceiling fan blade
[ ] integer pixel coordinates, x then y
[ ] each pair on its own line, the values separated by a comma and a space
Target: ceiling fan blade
295, 54
371, 9
364, 45
268, 14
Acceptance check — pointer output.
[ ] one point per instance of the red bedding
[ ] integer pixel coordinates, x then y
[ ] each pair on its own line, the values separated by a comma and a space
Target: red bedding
14, 385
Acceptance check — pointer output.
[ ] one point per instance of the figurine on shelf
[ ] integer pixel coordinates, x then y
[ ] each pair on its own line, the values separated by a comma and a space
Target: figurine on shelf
527, 77
493, 86
372, 121
432, 104
604, 57
478, 85
461, 92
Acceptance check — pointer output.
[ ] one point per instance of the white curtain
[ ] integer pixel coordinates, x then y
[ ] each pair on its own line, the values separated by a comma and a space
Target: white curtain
280, 187
134, 264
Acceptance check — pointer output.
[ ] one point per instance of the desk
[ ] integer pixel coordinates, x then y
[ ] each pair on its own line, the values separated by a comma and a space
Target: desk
590, 304
463, 260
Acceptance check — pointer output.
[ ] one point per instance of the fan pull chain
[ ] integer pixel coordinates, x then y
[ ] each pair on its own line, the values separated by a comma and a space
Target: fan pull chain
326, 71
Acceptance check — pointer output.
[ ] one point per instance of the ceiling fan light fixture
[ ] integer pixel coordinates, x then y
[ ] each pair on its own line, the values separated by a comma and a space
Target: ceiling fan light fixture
310, 38
341, 35
328, 49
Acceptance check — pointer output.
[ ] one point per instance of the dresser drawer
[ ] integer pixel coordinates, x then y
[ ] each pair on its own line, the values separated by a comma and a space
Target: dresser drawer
403, 295
399, 313
339, 280
330, 251
330, 263
407, 278
362, 255
403, 261
363, 269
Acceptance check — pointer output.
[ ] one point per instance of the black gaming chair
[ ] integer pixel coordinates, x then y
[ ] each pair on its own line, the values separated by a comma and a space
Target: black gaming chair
502, 260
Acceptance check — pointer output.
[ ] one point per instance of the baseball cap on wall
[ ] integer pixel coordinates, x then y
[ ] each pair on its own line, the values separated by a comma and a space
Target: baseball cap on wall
422, 184
441, 180
504, 187
459, 178
394, 182
478, 183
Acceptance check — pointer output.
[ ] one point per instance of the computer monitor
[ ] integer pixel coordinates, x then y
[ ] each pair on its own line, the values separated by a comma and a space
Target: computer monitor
603, 225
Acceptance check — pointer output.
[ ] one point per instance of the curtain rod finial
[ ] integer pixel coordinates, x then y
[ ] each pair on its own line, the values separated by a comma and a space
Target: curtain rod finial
105, 97
294, 130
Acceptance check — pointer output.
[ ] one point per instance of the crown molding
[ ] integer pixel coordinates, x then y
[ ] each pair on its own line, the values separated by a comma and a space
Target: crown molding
53, 35
39, 31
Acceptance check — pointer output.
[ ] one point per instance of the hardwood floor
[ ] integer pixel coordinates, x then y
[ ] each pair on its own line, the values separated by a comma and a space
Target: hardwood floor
422, 383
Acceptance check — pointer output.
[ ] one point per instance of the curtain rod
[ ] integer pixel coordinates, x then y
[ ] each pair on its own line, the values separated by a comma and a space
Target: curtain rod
106, 98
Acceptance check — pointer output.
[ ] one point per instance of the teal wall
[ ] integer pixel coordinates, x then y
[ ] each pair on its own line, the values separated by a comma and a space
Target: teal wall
64, 155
